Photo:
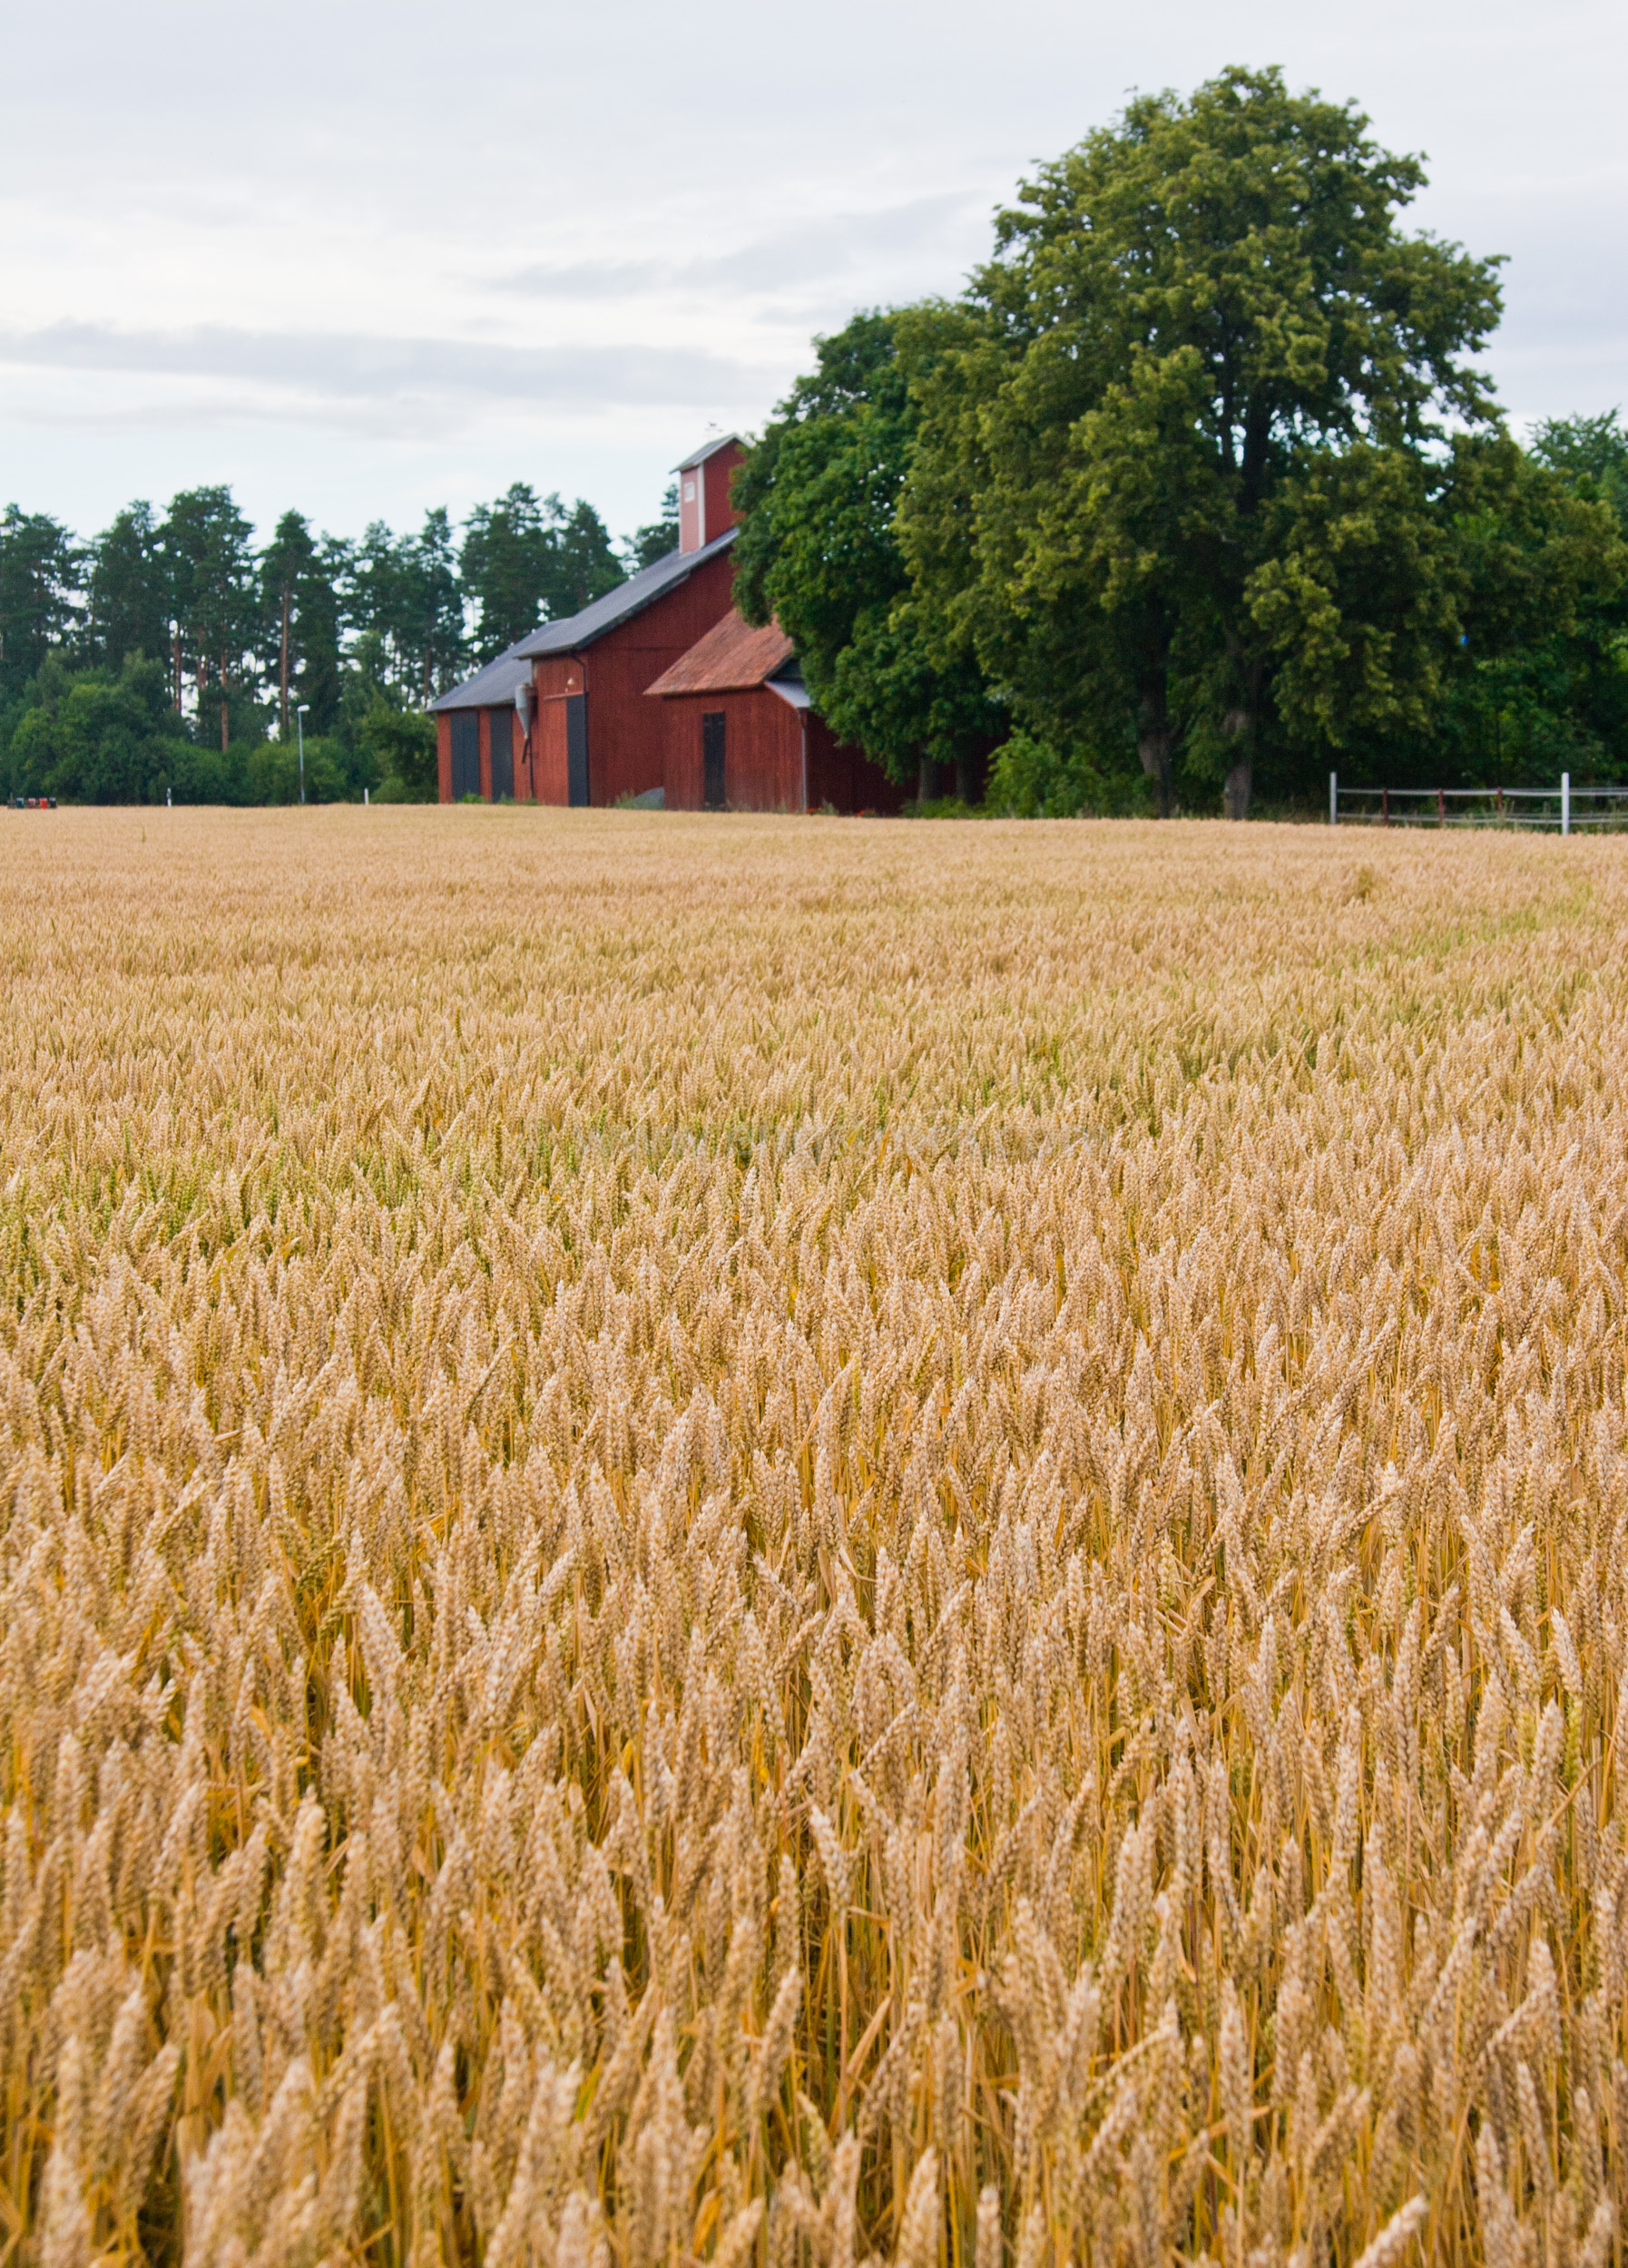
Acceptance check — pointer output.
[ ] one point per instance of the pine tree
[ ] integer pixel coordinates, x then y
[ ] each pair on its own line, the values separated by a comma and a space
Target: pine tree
214, 593
129, 591
41, 578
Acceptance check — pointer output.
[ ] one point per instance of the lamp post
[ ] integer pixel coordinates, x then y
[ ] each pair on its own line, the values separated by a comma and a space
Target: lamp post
299, 721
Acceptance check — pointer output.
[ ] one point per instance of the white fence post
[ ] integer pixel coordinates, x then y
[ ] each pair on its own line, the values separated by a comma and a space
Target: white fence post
1565, 803
1334, 799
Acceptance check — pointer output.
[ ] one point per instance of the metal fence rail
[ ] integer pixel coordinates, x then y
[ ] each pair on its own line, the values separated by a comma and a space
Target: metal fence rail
1562, 808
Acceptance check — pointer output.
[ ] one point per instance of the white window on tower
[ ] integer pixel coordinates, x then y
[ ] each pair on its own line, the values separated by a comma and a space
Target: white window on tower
689, 492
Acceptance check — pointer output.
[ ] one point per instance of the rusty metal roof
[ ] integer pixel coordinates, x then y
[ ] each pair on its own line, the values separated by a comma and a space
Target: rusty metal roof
732, 658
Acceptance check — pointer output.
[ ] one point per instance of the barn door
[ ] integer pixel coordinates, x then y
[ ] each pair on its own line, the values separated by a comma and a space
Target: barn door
503, 754
466, 753
576, 750
712, 760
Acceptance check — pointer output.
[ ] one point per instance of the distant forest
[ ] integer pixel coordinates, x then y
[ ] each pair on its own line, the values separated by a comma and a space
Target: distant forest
172, 654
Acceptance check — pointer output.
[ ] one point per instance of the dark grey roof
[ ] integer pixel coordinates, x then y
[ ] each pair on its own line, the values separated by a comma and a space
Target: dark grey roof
491, 688
628, 599
707, 449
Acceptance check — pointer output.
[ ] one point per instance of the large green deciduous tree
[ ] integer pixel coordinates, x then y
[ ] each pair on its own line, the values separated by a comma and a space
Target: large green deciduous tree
1538, 682
1186, 467
819, 550
98, 737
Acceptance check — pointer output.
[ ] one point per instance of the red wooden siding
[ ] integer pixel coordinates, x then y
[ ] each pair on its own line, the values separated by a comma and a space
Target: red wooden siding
846, 778
707, 513
625, 731
522, 787
763, 756
762, 750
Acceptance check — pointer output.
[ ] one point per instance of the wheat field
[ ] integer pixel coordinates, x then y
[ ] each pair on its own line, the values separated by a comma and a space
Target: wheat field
785, 1542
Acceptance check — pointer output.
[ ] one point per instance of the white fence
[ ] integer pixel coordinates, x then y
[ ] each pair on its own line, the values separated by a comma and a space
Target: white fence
1562, 808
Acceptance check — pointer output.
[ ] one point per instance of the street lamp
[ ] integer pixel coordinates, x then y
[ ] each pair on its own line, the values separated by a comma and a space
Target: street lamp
299, 710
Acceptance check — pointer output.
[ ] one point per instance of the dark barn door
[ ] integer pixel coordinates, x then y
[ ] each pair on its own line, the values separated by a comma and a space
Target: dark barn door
576, 750
503, 754
466, 753
712, 760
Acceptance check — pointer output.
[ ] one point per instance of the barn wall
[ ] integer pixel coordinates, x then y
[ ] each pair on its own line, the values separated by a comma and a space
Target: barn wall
625, 731
845, 777
444, 756
710, 512
718, 472
690, 508
553, 678
762, 750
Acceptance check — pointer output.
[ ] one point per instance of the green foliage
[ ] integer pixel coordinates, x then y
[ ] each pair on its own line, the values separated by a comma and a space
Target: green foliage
647, 544
1539, 683
205, 544
271, 772
129, 591
404, 592
524, 563
234, 638
1172, 461
40, 573
1035, 778
301, 613
583, 565
402, 745
93, 736
1591, 453
819, 552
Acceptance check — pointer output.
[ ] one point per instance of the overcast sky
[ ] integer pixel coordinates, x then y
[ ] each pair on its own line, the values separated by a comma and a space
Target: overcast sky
365, 257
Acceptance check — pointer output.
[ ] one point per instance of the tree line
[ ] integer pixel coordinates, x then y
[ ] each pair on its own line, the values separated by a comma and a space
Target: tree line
173, 654
1196, 493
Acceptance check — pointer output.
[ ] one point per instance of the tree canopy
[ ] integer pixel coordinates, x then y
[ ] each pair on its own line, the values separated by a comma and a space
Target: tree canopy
1200, 476
819, 552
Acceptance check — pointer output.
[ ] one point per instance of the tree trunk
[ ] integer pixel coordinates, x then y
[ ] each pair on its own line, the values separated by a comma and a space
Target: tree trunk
288, 601
225, 712
178, 668
1235, 793
930, 781
1239, 726
969, 779
1155, 739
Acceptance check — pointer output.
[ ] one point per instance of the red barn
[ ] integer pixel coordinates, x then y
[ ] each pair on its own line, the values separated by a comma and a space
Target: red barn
593, 736
563, 715
741, 735
563, 707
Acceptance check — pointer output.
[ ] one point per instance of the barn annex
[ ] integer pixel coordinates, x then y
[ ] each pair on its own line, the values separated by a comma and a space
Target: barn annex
741, 735
566, 713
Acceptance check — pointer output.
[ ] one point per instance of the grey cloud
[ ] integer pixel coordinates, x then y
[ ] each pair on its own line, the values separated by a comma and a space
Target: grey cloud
809, 252
342, 367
